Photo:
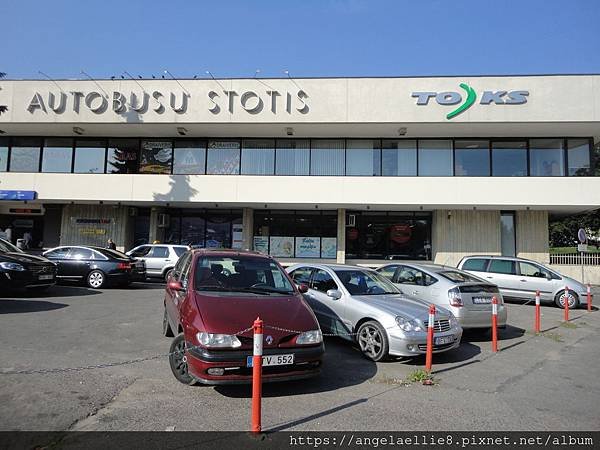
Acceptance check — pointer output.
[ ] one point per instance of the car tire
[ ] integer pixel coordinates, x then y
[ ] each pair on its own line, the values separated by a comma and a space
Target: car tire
559, 300
168, 273
166, 326
373, 341
178, 361
95, 279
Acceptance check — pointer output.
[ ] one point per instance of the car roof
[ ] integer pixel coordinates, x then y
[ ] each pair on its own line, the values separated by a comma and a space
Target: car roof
510, 258
228, 252
331, 266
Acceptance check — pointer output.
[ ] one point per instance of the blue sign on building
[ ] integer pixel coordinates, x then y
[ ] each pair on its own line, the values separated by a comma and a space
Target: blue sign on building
17, 195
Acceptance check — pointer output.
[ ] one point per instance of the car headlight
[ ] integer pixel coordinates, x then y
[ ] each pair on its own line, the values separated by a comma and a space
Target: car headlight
408, 325
309, 337
453, 322
218, 340
12, 266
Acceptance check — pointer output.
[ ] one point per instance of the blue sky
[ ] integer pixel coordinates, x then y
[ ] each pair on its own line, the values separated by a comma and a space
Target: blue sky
307, 37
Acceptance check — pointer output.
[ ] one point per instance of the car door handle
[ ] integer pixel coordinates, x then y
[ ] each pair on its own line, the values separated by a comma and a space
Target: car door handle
491, 278
415, 292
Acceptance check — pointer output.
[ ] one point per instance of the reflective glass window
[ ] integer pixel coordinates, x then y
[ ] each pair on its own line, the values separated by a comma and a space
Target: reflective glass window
89, 156
122, 155
327, 157
363, 157
435, 158
509, 159
293, 157
472, 158
25, 155
189, 157
223, 158
258, 157
57, 155
546, 157
578, 157
156, 156
507, 234
3, 155
399, 157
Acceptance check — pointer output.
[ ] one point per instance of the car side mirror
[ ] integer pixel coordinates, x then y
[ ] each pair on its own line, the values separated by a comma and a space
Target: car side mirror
302, 288
334, 294
175, 285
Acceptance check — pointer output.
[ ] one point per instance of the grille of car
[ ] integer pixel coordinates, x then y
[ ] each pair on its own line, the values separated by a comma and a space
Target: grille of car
423, 347
439, 326
37, 270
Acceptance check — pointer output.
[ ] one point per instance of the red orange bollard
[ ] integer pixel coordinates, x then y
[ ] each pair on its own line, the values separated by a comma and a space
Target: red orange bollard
538, 318
589, 297
566, 303
430, 327
494, 324
257, 375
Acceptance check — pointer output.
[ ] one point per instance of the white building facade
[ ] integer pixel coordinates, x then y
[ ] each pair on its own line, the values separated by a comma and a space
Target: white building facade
358, 170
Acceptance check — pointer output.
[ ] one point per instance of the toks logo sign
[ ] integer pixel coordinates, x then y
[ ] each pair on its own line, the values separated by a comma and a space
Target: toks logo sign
454, 98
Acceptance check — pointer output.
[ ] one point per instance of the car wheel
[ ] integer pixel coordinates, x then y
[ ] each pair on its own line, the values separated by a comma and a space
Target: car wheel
178, 361
373, 341
560, 300
167, 331
96, 279
168, 274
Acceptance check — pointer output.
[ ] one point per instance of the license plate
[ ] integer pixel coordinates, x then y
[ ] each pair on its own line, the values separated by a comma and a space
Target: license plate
441, 340
273, 360
482, 300
46, 277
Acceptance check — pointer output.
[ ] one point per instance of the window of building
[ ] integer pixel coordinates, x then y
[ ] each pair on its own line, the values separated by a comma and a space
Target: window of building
546, 157
156, 156
3, 154
189, 157
258, 157
363, 157
223, 158
578, 157
122, 156
435, 158
327, 157
89, 156
398, 158
204, 228
57, 155
509, 159
293, 157
507, 234
25, 155
472, 158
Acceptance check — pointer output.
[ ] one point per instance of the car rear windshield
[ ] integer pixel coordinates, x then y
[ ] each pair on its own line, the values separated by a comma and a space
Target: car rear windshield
366, 282
241, 274
113, 253
459, 277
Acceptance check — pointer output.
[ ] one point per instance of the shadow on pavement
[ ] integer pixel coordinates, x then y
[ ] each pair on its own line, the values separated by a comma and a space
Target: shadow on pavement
27, 306
485, 335
54, 291
465, 352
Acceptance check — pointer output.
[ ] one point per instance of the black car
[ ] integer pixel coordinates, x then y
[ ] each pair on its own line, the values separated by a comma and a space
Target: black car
19, 270
96, 266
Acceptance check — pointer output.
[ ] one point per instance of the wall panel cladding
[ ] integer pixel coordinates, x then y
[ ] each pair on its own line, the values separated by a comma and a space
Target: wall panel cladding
459, 233
94, 225
532, 235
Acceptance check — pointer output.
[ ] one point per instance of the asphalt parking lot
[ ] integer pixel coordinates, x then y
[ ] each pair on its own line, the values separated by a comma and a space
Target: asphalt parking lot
545, 382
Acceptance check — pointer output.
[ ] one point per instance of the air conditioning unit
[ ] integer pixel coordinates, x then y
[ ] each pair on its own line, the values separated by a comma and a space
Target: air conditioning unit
351, 220
163, 220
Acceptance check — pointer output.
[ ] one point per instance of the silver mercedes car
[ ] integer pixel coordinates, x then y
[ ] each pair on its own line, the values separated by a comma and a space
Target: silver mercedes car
468, 297
359, 304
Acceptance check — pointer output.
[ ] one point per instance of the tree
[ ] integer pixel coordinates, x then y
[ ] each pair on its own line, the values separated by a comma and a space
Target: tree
3, 108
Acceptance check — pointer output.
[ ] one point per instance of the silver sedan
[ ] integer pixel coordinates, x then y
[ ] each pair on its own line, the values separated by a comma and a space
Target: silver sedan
358, 303
468, 297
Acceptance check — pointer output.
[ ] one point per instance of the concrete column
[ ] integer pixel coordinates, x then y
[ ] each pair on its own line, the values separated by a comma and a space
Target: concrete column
248, 222
341, 236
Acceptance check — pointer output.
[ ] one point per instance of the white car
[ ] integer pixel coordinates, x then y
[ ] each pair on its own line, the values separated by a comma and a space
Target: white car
159, 258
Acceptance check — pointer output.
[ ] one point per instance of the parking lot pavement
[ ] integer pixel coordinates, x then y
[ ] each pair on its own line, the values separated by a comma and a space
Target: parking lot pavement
545, 382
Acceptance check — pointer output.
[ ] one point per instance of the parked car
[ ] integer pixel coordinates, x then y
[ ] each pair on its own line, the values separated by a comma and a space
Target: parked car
20, 270
349, 299
520, 278
159, 258
95, 266
468, 297
211, 311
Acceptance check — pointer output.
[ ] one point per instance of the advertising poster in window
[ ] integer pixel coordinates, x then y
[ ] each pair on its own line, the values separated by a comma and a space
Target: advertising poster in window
308, 247
282, 246
261, 244
237, 230
329, 247
156, 157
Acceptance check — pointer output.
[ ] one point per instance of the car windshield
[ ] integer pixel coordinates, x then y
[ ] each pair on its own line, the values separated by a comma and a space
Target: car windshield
459, 277
366, 282
7, 247
241, 274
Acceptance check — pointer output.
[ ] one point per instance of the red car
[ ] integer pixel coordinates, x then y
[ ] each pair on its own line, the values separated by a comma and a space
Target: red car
211, 301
